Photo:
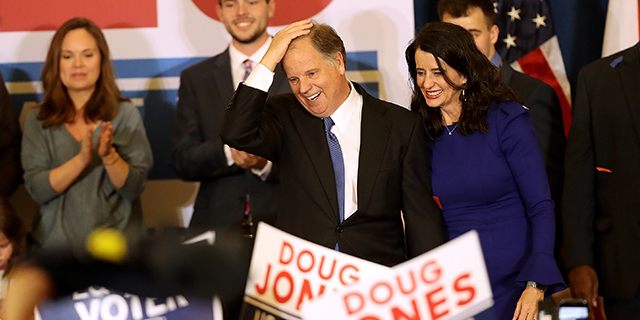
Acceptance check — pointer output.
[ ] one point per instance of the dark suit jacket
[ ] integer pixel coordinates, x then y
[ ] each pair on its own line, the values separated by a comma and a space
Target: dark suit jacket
393, 175
10, 137
198, 155
601, 204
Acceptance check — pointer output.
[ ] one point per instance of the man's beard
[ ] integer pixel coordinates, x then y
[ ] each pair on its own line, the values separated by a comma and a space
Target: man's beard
251, 39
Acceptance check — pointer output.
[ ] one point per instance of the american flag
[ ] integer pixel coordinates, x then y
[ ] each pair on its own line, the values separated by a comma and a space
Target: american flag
529, 43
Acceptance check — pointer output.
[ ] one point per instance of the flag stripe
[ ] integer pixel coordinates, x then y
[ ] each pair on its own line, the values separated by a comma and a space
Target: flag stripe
535, 64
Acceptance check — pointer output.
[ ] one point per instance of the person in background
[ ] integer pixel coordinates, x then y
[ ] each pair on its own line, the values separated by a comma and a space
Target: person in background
10, 169
11, 245
85, 151
478, 17
600, 200
234, 185
486, 167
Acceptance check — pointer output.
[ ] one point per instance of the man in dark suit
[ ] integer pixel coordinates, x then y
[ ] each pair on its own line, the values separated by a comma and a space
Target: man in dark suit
349, 163
10, 168
478, 17
601, 204
234, 185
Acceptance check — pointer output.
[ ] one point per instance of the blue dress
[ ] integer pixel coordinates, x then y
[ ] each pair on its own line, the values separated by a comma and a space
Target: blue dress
496, 184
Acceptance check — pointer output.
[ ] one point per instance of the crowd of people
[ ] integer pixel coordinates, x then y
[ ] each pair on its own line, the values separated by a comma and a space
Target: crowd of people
481, 148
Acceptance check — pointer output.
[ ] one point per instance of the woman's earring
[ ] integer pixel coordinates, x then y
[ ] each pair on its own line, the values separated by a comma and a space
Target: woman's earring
464, 98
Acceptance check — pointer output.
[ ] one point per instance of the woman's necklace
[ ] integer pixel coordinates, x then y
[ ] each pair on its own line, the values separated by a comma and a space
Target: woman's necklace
452, 130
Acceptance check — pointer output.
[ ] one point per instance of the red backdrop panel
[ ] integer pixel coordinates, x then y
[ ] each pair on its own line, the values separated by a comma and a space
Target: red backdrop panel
287, 11
34, 15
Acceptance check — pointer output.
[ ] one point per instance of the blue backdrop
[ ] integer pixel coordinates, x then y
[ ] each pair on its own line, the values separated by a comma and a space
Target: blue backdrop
579, 25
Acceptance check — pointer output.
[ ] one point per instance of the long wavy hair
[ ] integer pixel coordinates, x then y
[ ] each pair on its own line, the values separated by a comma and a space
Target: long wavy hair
57, 108
12, 228
455, 46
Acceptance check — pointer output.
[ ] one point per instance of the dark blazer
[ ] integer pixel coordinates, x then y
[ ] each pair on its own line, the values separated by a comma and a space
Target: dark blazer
10, 137
198, 154
601, 199
393, 175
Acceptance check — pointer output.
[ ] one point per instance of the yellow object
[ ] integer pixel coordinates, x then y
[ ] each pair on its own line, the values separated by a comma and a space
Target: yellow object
107, 244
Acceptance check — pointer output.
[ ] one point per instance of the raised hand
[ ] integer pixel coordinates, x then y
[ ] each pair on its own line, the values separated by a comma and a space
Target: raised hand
86, 151
106, 139
281, 42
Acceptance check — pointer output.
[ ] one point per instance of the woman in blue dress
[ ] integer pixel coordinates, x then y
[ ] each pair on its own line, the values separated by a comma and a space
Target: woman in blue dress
486, 168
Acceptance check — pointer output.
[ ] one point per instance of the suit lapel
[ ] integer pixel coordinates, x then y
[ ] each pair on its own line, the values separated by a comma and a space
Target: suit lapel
311, 132
630, 79
374, 136
221, 75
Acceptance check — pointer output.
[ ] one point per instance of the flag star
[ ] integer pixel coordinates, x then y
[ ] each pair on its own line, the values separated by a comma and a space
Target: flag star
514, 14
510, 41
495, 7
539, 20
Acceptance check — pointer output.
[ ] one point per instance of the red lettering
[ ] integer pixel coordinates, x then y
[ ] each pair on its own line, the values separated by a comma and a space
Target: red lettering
458, 286
306, 292
434, 274
434, 304
399, 314
321, 291
333, 267
308, 253
352, 277
380, 300
369, 318
286, 245
413, 283
283, 298
353, 302
266, 281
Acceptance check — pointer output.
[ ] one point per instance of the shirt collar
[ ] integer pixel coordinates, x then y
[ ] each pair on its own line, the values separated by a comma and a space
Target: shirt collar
496, 59
342, 115
238, 58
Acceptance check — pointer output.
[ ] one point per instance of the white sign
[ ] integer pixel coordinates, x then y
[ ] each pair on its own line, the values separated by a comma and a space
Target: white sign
286, 272
449, 282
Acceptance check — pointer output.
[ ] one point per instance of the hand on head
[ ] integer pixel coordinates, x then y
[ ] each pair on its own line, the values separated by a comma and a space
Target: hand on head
282, 40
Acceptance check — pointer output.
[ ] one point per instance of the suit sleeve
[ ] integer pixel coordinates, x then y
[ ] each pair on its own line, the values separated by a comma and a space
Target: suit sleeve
251, 124
422, 216
578, 207
10, 169
194, 157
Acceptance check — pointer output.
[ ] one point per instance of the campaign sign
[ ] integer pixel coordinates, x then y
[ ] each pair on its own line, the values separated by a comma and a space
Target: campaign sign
98, 303
286, 272
449, 282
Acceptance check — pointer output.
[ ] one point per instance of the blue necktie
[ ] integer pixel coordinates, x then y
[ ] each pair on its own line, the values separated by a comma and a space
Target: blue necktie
338, 165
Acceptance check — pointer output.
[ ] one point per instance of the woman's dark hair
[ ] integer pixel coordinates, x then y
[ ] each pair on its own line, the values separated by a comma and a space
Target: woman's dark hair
57, 108
455, 46
12, 228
